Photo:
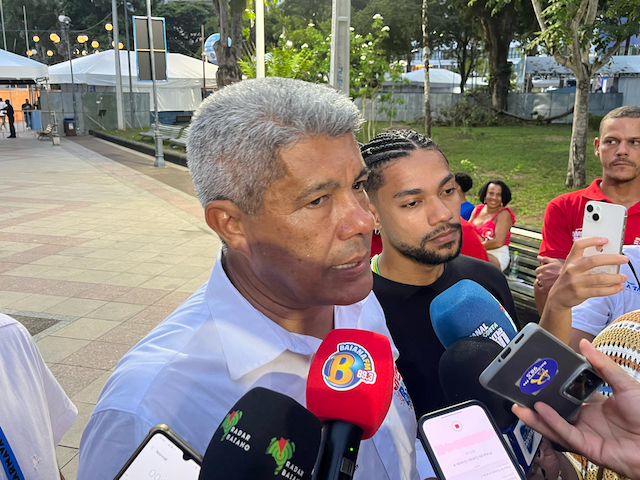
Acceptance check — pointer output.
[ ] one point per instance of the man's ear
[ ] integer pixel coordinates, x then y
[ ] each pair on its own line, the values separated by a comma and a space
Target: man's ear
228, 221
376, 216
596, 146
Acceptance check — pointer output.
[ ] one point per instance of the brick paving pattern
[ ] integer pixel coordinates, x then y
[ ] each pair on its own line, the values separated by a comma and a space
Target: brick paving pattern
93, 255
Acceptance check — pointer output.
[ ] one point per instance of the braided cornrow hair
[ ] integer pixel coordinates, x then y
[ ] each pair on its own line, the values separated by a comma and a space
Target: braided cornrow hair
391, 145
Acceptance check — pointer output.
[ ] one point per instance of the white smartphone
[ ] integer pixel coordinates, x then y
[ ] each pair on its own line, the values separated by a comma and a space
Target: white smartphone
162, 455
463, 442
602, 219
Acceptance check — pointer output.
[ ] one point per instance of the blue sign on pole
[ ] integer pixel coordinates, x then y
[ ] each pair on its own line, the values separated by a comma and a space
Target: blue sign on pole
209, 51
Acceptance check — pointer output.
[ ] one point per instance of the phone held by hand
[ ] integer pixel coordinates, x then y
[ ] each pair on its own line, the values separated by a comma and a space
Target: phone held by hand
162, 455
602, 219
537, 367
463, 441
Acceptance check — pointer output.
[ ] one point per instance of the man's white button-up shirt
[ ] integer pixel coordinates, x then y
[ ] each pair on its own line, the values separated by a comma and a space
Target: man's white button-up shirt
193, 367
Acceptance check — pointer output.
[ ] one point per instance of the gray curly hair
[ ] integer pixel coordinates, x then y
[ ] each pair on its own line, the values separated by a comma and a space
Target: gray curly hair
237, 133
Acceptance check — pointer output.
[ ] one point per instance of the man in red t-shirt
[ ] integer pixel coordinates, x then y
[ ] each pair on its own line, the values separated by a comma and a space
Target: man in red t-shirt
618, 147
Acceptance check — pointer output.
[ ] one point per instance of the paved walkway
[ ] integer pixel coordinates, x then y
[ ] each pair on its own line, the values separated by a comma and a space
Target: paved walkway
93, 255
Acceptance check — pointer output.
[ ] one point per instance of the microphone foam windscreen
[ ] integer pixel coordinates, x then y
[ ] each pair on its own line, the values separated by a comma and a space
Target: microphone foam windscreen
467, 309
459, 369
265, 434
351, 379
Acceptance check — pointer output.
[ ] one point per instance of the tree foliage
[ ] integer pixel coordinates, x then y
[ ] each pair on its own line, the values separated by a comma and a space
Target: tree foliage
184, 20
572, 31
501, 21
455, 29
403, 19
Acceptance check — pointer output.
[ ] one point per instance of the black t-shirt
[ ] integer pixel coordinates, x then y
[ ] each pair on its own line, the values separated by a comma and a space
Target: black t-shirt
406, 308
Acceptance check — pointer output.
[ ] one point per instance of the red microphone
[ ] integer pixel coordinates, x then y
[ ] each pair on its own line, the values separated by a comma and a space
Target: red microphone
349, 388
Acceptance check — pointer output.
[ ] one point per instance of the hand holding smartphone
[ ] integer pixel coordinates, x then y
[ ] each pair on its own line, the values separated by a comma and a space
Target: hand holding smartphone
602, 219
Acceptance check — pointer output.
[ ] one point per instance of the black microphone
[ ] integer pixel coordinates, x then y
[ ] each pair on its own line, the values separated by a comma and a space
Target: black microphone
265, 435
459, 369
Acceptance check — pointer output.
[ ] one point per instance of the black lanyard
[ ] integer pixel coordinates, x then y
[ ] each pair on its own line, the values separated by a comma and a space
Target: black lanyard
633, 270
8, 459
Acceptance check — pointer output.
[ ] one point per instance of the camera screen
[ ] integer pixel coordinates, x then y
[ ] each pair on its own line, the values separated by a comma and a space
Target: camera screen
585, 383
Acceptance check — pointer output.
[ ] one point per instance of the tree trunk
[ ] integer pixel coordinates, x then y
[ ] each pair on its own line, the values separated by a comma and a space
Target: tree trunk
426, 55
462, 66
498, 33
228, 70
576, 174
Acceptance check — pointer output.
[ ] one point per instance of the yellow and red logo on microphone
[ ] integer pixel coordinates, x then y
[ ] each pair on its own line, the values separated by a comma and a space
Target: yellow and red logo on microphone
350, 365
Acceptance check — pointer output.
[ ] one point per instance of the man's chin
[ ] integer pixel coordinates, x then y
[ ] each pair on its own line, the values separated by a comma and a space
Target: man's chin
353, 292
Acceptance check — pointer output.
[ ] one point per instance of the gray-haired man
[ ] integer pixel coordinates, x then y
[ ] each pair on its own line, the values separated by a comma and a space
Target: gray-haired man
279, 173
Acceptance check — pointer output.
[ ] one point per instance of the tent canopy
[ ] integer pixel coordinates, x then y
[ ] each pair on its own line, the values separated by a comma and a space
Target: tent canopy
180, 92
440, 79
436, 75
16, 68
619, 65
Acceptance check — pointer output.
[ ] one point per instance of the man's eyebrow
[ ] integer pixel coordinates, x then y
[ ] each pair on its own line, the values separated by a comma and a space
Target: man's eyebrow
316, 187
404, 193
418, 191
363, 172
445, 180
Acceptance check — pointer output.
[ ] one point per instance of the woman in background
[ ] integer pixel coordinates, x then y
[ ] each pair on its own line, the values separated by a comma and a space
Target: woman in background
493, 221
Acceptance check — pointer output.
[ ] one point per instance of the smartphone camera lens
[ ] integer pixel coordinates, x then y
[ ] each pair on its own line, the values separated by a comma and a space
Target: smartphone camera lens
596, 217
589, 208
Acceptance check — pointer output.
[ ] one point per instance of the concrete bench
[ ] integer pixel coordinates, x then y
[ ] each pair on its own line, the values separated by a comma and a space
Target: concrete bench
182, 138
168, 132
46, 132
526, 241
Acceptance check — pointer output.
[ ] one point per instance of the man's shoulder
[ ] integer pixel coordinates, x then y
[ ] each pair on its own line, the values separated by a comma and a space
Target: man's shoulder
569, 198
471, 264
161, 357
12, 331
479, 271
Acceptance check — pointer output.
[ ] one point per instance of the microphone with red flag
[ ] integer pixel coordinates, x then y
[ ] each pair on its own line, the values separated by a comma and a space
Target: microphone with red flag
349, 388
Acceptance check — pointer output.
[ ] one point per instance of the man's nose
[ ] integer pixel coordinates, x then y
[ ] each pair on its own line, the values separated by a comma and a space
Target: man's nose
357, 220
439, 212
623, 148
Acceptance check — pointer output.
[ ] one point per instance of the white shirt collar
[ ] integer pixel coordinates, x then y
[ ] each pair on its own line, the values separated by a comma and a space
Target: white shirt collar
250, 339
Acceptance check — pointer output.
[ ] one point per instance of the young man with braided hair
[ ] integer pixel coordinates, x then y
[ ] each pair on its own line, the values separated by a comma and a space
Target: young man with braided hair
416, 207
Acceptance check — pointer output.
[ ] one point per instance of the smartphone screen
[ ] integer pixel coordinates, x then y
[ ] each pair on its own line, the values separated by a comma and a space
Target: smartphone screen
467, 446
160, 459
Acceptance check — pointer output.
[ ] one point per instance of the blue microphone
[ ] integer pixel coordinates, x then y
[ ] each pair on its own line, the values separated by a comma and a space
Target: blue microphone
466, 309
459, 369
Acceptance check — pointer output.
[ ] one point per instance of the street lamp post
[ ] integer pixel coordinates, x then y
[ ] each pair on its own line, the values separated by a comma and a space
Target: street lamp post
128, 5
157, 135
65, 22
116, 54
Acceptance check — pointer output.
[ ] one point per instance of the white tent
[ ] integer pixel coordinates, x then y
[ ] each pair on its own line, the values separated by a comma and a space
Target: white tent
437, 77
181, 92
17, 68
618, 65
441, 80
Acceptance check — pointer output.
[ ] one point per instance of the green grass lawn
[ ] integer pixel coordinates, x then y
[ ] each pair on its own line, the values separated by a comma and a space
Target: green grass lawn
532, 160
134, 135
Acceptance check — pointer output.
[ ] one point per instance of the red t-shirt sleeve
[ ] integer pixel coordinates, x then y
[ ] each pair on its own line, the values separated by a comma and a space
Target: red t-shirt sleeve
471, 243
557, 238
376, 244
